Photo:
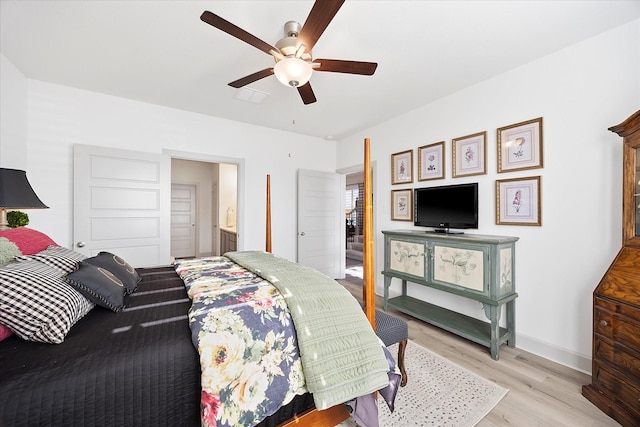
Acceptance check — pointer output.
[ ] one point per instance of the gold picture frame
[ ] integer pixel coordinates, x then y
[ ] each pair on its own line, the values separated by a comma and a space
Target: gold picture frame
402, 167
469, 155
402, 205
520, 146
431, 161
518, 201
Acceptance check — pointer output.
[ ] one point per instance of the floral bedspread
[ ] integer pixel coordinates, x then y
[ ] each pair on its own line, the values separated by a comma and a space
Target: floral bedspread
243, 330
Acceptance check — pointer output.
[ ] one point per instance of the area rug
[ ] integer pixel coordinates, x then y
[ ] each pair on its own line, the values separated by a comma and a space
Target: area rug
438, 393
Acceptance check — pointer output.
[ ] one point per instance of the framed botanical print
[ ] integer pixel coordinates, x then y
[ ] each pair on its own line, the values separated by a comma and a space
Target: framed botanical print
469, 155
402, 167
520, 146
518, 201
431, 161
402, 205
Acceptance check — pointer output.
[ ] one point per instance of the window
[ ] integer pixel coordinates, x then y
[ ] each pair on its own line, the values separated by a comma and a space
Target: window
350, 197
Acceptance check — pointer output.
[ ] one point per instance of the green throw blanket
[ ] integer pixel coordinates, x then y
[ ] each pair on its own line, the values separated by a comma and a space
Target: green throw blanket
341, 355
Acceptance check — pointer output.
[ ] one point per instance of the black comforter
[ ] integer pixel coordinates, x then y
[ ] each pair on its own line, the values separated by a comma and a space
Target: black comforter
137, 367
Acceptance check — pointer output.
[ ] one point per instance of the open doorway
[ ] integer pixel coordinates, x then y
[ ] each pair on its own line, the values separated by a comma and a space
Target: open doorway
204, 206
354, 214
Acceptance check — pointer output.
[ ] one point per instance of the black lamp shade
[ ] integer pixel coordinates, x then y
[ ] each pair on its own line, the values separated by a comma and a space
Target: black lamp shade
16, 192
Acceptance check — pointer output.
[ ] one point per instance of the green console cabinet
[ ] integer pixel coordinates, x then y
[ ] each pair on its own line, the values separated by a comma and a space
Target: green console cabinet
474, 266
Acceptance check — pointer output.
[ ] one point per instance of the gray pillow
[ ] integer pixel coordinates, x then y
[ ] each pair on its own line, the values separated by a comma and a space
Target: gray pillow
98, 285
119, 267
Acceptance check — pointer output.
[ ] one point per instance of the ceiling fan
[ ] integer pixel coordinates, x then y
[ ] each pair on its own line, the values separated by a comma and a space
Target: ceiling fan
294, 62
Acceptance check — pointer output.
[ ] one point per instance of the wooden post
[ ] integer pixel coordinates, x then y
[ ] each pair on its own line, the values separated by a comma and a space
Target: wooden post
268, 233
369, 294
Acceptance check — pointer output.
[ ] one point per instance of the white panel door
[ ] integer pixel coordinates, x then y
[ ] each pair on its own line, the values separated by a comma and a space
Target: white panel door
321, 225
122, 204
183, 220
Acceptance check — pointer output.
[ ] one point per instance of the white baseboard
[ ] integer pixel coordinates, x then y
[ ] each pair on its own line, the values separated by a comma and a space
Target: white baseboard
579, 362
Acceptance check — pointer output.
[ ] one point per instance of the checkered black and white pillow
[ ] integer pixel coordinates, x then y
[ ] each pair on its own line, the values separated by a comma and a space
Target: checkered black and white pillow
37, 304
65, 260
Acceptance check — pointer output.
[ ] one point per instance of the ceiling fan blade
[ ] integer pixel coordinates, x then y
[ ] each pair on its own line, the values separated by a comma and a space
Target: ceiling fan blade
350, 67
237, 32
306, 93
319, 18
252, 78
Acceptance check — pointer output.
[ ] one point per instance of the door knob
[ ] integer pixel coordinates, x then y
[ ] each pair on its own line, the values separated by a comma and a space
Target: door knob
80, 244
302, 233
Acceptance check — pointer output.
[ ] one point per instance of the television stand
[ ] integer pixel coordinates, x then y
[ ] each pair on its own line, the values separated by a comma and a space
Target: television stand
447, 231
473, 266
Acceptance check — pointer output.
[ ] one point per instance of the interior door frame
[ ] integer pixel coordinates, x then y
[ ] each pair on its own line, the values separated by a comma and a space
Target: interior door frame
375, 205
210, 158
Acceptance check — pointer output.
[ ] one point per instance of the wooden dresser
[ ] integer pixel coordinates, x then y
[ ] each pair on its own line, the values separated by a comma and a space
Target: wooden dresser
615, 379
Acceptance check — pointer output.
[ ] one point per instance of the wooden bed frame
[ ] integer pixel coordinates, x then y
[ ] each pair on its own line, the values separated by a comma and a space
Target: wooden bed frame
336, 414
48, 401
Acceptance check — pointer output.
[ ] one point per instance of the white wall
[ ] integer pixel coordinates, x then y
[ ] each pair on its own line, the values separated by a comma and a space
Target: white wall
60, 116
229, 195
580, 92
13, 116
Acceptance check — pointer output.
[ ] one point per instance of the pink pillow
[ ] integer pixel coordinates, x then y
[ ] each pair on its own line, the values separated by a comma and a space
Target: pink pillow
5, 332
29, 241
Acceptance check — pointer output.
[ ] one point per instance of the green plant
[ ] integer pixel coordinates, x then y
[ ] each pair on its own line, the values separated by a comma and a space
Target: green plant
17, 219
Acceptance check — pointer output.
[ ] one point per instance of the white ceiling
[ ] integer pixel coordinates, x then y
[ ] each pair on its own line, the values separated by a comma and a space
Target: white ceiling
160, 52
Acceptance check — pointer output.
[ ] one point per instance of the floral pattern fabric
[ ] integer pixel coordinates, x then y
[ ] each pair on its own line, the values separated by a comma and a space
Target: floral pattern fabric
242, 329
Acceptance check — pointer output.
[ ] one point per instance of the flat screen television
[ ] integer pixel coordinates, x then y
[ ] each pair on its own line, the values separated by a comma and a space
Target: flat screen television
446, 207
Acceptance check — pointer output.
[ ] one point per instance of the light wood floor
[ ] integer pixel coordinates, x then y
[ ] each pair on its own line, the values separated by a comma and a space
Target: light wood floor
541, 392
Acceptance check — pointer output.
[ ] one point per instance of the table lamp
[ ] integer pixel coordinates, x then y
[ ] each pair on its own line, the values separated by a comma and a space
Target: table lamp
16, 193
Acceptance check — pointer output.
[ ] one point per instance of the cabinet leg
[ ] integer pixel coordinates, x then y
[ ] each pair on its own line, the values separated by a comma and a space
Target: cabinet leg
494, 317
387, 283
511, 323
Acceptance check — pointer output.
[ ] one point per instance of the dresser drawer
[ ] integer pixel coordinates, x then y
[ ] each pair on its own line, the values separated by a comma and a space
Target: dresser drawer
626, 361
617, 327
628, 310
628, 393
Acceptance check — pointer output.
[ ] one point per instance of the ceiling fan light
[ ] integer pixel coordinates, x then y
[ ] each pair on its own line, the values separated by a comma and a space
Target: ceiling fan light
292, 71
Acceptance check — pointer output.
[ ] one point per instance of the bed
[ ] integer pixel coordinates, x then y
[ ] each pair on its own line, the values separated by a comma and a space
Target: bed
132, 361
116, 358
146, 367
